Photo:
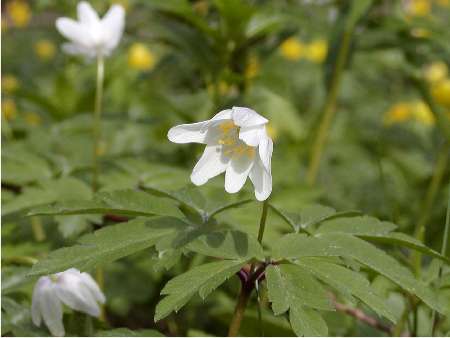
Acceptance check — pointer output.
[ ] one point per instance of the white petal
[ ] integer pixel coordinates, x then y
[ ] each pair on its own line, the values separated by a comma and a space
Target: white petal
74, 31
91, 284
252, 135
237, 173
212, 163
246, 117
265, 152
35, 303
86, 14
51, 311
222, 115
113, 24
73, 292
262, 181
187, 133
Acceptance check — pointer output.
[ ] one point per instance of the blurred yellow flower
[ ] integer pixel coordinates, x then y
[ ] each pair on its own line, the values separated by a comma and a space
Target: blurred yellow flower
399, 112
201, 7
32, 119
441, 92
253, 67
9, 110
316, 51
45, 49
436, 71
19, 11
9, 83
292, 49
418, 7
140, 57
422, 113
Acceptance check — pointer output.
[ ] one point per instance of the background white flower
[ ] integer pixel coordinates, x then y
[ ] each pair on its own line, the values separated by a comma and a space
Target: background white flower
76, 289
90, 35
237, 144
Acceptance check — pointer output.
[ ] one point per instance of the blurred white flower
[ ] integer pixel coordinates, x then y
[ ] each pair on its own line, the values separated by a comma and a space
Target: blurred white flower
77, 290
237, 144
90, 35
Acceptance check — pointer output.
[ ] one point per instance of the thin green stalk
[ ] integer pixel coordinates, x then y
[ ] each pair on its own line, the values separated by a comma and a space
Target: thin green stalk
328, 110
246, 290
37, 228
436, 181
443, 253
19, 260
97, 121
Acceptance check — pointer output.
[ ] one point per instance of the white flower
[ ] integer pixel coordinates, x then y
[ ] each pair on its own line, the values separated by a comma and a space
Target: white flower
77, 290
90, 35
237, 144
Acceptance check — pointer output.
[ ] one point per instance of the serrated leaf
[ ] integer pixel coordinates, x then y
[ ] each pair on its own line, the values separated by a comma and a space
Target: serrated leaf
347, 282
230, 244
202, 279
401, 239
307, 322
363, 225
120, 202
108, 244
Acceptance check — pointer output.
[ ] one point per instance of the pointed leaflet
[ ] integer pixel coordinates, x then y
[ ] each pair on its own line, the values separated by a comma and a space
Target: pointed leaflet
347, 282
307, 322
122, 202
202, 279
363, 225
108, 244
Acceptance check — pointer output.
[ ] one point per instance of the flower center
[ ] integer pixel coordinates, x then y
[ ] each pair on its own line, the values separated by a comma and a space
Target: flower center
232, 145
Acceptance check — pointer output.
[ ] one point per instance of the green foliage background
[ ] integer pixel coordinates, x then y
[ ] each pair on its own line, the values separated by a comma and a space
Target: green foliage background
382, 172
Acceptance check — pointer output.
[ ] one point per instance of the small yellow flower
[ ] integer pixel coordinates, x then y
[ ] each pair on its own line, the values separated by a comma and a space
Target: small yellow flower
253, 67
32, 119
292, 49
9, 110
441, 92
20, 13
418, 7
422, 113
436, 71
317, 51
45, 49
140, 57
399, 112
9, 83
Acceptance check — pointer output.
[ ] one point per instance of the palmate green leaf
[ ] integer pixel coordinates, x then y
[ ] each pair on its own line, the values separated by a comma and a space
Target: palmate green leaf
66, 188
121, 202
348, 283
310, 215
293, 288
202, 279
108, 244
124, 332
228, 244
295, 246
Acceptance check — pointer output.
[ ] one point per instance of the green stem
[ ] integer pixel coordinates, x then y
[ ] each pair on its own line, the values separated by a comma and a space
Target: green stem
443, 253
19, 260
37, 228
246, 288
97, 121
328, 110
436, 181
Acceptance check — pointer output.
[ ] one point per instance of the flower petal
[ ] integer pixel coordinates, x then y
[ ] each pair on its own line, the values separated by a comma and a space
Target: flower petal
252, 135
86, 14
93, 287
37, 294
74, 31
51, 311
265, 152
113, 24
262, 181
237, 173
246, 117
212, 163
187, 133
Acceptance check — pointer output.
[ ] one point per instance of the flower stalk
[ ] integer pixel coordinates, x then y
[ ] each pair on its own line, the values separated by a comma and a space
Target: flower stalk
96, 130
247, 285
